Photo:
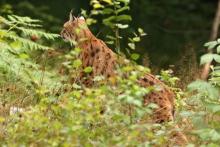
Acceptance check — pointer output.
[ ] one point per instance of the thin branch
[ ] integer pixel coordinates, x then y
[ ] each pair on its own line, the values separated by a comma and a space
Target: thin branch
213, 36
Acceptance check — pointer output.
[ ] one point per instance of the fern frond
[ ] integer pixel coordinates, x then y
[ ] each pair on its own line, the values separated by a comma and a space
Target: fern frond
30, 32
25, 71
5, 21
28, 44
25, 21
17, 67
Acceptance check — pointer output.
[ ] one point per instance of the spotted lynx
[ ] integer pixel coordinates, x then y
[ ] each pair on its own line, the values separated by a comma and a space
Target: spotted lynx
96, 54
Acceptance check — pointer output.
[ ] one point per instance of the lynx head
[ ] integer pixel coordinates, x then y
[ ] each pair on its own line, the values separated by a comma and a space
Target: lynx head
74, 29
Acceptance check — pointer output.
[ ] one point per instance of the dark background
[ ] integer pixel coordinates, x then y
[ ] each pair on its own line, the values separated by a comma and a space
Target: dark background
173, 26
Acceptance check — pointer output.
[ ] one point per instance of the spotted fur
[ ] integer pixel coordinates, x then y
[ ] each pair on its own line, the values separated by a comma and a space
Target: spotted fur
95, 53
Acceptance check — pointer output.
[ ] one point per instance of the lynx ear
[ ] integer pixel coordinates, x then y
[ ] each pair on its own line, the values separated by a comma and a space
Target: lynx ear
71, 16
82, 18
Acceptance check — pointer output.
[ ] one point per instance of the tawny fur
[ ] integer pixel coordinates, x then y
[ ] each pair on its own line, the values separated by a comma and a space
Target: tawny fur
97, 55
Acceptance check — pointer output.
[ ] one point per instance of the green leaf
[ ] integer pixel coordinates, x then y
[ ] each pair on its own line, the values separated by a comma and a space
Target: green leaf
108, 21
190, 145
152, 106
123, 18
186, 114
108, 1
16, 45
211, 44
76, 86
208, 134
95, 12
90, 21
207, 58
23, 56
135, 56
121, 26
77, 50
204, 88
136, 39
122, 9
110, 42
212, 145
107, 11
88, 69
77, 63
111, 37
98, 78
213, 107
125, 1
97, 6
216, 58
131, 45
141, 32
31, 32
218, 49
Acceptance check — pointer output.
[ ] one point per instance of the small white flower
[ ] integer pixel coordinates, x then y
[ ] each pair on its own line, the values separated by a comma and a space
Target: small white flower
14, 110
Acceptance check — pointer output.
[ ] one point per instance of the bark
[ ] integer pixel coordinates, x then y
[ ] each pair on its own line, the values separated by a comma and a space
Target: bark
213, 36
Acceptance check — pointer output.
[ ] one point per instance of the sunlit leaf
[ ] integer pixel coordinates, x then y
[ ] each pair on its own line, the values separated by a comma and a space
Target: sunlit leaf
131, 45
124, 1
121, 26
108, 1
216, 58
211, 44
23, 56
136, 39
88, 69
77, 63
97, 6
207, 58
135, 56
218, 49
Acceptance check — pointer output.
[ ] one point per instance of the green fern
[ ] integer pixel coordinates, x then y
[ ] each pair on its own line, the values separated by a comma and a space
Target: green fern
28, 27
27, 44
29, 32
15, 62
18, 20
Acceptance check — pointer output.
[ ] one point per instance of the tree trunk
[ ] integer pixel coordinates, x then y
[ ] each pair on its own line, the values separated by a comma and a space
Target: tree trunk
213, 36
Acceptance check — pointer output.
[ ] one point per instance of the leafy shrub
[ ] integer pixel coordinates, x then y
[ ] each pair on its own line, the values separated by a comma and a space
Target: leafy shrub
19, 38
203, 104
58, 113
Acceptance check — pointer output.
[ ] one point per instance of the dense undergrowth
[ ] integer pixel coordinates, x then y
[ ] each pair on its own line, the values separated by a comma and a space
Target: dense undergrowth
39, 106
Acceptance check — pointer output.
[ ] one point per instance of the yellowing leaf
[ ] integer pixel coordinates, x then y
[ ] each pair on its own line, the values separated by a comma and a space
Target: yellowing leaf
113, 80
2, 119
16, 45
108, 1
23, 56
97, 6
